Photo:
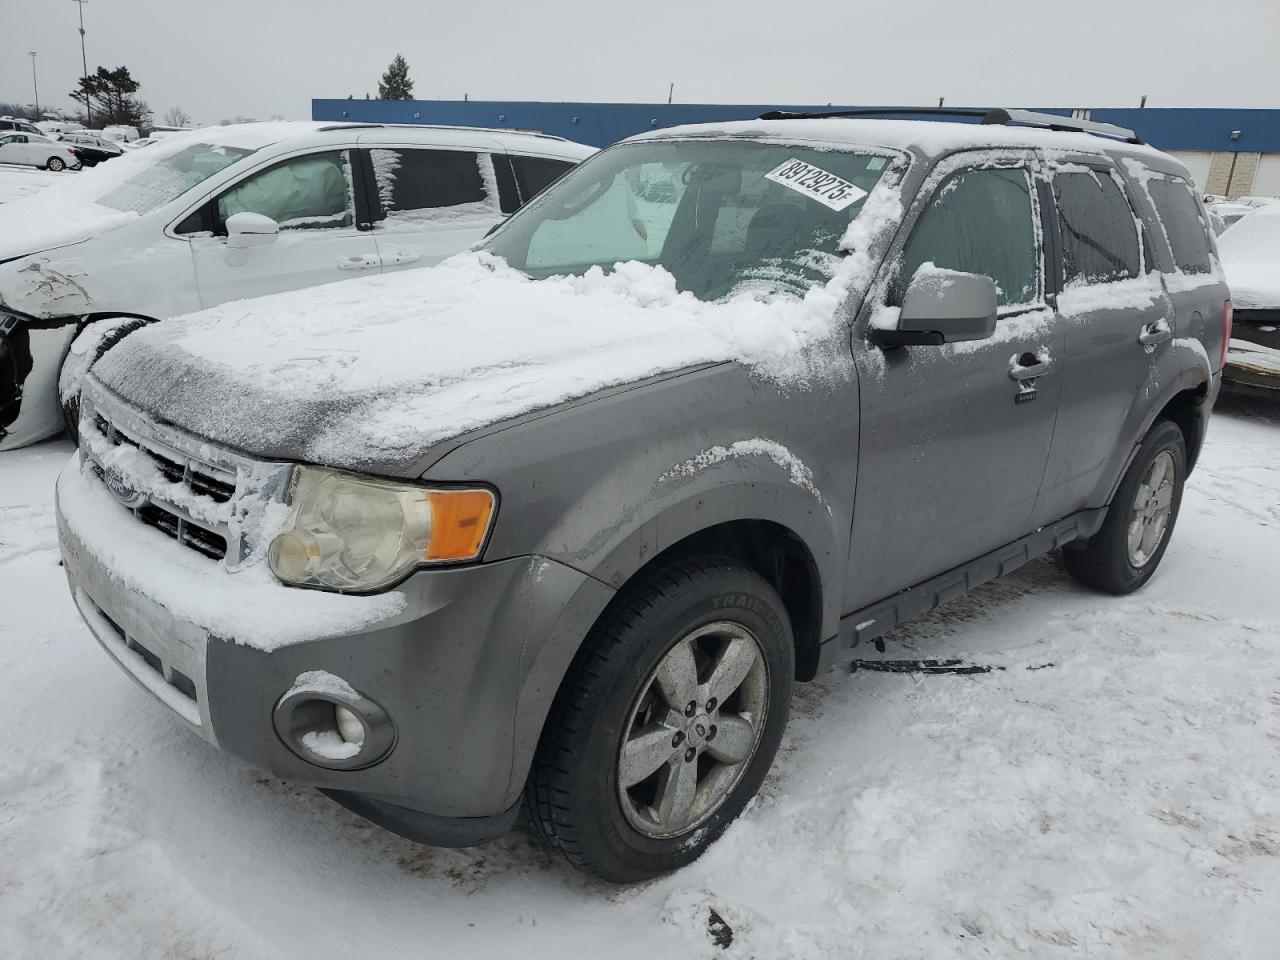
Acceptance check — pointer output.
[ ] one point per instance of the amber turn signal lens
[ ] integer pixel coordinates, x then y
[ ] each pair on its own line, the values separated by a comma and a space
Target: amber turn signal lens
459, 523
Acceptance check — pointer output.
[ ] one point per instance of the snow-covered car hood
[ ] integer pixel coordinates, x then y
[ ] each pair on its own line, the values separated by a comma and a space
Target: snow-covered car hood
1250, 254
28, 227
1254, 286
380, 369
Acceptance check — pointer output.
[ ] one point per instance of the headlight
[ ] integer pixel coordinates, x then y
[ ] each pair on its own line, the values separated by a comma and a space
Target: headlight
353, 533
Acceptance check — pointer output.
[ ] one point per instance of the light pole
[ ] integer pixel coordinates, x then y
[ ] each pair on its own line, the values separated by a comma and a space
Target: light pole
84, 62
34, 82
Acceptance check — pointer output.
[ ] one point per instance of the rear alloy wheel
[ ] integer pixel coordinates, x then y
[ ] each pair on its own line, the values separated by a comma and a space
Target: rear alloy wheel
1125, 552
56, 165
667, 721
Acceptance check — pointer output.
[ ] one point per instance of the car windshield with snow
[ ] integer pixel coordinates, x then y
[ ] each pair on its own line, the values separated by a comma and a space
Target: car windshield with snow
735, 213
556, 524
222, 214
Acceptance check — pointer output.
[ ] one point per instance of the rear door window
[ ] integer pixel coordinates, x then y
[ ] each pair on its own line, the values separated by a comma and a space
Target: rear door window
417, 187
981, 221
1180, 217
1097, 227
534, 174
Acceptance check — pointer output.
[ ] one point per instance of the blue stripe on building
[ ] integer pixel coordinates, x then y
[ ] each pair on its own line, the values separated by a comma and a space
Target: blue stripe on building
601, 124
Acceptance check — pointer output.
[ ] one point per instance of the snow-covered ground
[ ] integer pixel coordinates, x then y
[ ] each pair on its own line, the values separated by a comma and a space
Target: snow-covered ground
17, 182
1121, 799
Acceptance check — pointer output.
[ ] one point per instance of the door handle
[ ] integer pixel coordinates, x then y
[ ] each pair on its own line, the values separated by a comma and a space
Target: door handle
365, 261
400, 257
1028, 366
1154, 333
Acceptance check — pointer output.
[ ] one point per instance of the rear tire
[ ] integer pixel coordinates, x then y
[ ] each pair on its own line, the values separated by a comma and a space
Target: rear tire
56, 165
628, 785
1125, 552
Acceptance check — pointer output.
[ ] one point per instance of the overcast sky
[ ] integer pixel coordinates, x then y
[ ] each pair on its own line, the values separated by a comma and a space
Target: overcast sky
220, 58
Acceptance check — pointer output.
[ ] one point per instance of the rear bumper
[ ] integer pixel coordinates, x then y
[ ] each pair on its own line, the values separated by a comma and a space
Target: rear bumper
450, 670
1253, 356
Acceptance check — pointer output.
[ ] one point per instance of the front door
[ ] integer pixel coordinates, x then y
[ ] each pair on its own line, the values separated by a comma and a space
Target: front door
953, 447
312, 199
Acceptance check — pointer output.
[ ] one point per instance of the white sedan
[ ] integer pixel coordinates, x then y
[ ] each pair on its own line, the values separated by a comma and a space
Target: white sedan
32, 151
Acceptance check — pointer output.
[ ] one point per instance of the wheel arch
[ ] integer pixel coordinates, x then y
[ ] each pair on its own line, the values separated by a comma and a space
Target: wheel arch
1186, 398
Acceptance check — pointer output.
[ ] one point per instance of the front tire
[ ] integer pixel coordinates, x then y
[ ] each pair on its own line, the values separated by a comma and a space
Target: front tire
1125, 552
666, 723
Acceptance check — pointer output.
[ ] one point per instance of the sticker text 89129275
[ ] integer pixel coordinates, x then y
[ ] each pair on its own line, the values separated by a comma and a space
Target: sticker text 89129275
816, 183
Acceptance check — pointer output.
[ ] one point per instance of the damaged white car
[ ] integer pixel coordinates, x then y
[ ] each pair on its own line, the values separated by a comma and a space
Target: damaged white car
230, 213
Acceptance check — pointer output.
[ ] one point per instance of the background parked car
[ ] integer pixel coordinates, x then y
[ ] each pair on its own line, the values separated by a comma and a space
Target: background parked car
91, 149
234, 212
21, 126
1230, 211
36, 150
1250, 253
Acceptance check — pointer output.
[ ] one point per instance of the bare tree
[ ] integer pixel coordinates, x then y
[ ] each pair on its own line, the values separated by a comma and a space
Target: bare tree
177, 117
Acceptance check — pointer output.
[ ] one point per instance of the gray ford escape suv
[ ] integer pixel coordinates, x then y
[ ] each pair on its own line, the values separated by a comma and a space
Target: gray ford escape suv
556, 525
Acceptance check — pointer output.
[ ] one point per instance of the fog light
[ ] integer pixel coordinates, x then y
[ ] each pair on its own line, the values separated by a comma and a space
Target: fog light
326, 722
349, 726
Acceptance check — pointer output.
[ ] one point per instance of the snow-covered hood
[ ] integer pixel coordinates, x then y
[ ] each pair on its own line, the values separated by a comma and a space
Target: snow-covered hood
1254, 286
378, 370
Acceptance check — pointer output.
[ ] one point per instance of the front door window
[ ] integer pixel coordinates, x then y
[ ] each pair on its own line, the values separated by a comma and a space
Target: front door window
311, 192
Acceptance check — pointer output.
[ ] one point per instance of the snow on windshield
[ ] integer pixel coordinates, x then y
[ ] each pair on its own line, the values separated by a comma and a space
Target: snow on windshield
717, 215
172, 175
380, 368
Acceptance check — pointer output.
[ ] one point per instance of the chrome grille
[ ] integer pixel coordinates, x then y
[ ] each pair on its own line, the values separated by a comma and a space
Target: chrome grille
207, 498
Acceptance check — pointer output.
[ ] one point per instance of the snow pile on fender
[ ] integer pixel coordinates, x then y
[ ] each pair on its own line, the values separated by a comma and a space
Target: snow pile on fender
381, 368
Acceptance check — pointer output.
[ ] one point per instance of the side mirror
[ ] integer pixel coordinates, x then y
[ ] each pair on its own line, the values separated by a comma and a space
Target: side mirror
942, 306
245, 230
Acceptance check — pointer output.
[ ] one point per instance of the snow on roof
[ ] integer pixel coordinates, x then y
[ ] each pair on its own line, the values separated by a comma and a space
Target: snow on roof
926, 137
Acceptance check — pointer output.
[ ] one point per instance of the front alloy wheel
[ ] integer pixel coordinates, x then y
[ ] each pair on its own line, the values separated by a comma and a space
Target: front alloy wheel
693, 730
666, 722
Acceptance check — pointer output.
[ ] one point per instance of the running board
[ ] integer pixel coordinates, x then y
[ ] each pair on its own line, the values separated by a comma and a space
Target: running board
879, 618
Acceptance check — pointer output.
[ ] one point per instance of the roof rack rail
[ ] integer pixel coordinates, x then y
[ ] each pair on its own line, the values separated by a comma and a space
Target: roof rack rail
993, 115
392, 125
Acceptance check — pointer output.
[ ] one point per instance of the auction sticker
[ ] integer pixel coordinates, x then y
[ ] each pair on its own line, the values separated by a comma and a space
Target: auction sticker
816, 183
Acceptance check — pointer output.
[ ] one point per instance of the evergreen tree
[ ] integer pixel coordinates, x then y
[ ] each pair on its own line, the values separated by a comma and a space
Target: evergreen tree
112, 96
395, 83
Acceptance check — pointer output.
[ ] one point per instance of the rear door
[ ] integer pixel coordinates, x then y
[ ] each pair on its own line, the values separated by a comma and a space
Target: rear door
952, 447
429, 203
312, 198
1118, 323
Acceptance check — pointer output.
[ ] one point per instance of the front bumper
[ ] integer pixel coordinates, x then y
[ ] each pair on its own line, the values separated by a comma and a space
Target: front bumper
453, 668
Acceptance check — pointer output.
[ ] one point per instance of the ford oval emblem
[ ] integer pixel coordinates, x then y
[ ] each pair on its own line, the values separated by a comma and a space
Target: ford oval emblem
121, 488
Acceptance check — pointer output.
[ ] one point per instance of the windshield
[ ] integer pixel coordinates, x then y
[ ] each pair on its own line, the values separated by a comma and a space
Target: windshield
718, 215
170, 176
